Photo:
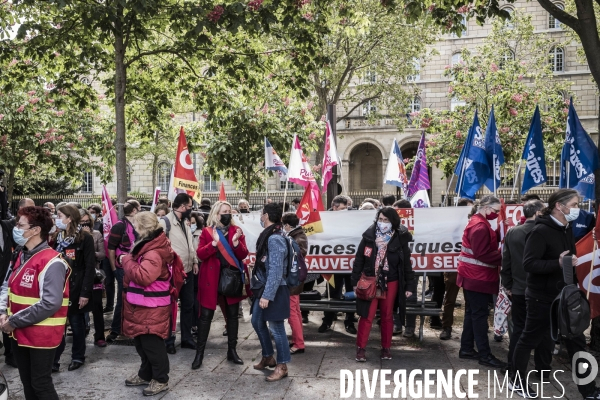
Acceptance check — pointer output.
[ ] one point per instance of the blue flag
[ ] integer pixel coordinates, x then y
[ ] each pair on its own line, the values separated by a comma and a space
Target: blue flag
495, 155
579, 151
465, 150
534, 155
475, 167
587, 187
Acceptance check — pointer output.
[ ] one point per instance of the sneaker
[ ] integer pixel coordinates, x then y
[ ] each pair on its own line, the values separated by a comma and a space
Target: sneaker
386, 354
446, 334
305, 320
100, 343
515, 387
107, 310
397, 330
428, 293
351, 329
155, 387
135, 380
324, 328
409, 331
361, 354
112, 337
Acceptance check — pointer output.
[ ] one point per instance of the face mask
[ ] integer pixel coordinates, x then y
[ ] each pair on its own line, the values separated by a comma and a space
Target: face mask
262, 223
61, 225
193, 227
225, 219
18, 236
93, 216
491, 216
52, 230
186, 214
244, 211
88, 224
384, 226
572, 215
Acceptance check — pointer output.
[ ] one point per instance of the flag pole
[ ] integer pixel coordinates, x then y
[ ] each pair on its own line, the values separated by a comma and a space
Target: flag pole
448, 190
460, 184
512, 193
592, 266
266, 187
568, 172
285, 193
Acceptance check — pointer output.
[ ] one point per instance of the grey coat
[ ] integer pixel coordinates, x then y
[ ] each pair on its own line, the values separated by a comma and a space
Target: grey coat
513, 274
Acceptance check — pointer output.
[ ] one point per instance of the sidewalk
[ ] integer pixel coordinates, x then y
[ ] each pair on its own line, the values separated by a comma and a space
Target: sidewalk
312, 375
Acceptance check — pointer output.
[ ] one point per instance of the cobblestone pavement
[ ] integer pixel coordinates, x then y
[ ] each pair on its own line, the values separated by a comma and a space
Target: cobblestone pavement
312, 375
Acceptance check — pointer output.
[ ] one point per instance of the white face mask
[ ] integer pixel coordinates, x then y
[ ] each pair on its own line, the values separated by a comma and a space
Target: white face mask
384, 226
572, 215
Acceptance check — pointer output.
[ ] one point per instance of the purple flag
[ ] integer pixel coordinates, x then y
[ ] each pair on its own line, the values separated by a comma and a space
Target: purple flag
419, 179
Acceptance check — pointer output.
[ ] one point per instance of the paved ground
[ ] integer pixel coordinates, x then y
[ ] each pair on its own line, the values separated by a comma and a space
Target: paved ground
312, 375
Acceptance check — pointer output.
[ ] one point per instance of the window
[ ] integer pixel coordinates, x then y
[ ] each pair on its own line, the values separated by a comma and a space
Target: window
508, 23
557, 59
164, 176
370, 77
290, 186
369, 107
415, 104
210, 185
553, 23
417, 68
508, 55
464, 29
128, 168
454, 103
456, 58
88, 182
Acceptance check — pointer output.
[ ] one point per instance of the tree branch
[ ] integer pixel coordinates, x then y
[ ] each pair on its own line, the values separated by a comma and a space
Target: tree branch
561, 15
365, 100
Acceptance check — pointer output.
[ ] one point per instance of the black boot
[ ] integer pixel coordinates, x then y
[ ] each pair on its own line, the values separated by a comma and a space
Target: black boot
232, 333
203, 331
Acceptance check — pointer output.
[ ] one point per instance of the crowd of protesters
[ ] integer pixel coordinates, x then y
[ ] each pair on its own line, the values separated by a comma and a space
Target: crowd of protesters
57, 270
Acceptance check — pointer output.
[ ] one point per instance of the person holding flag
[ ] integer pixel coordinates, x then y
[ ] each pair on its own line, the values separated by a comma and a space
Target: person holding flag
495, 156
395, 172
473, 167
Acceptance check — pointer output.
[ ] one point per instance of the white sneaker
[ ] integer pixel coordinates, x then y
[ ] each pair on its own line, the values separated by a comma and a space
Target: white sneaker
515, 387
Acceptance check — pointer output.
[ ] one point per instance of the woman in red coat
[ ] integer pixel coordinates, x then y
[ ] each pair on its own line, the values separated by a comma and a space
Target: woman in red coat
220, 241
148, 324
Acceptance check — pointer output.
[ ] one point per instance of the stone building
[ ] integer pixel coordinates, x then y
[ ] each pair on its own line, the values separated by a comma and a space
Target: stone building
364, 147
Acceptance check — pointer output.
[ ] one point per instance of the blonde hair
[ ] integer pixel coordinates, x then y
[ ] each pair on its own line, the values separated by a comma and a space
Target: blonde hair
213, 217
145, 222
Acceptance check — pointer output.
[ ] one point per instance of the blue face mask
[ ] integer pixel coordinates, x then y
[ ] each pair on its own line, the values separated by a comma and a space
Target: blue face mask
93, 216
193, 227
18, 236
61, 225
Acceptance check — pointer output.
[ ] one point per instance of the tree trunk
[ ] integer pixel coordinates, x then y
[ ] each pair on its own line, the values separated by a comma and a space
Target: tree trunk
248, 184
11, 184
120, 84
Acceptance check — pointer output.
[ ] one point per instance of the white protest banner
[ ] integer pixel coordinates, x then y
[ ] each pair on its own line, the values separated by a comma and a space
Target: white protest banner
437, 236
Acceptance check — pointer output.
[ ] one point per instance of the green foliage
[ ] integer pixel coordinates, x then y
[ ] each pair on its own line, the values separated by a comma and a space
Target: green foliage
44, 186
491, 77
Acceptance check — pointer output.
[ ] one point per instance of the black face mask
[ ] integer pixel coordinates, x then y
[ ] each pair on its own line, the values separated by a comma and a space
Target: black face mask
225, 219
244, 211
186, 214
89, 225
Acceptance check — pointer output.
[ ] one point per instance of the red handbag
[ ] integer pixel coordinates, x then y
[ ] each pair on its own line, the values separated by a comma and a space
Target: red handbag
366, 288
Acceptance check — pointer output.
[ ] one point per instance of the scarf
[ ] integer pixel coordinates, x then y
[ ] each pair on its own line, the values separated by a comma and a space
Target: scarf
262, 244
381, 263
64, 242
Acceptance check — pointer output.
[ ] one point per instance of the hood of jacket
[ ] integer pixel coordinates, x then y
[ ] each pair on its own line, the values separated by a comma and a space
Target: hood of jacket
156, 241
549, 222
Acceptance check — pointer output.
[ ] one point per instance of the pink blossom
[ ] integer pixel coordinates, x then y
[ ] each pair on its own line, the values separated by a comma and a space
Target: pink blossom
513, 112
47, 152
494, 67
523, 63
80, 138
450, 89
215, 15
254, 5
315, 168
463, 10
517, 98
431, 8
13, 62
310, 105
26, 152
447, 67
28, 62
312, 136
71, 145
56, 54
172, 115
425, 122
51, 86
458, 134
21, 109
307, 16
135, 121
60, 113
1, 117
303, 111
286, 101
520, 77
504, 129
565, 110
323, 118
414, 114
567, 102
101, 96
101, 164
58, 26
34, 100
43, 141
31, 92
63, 156
61, 137
205, 115
406, 160
265, 109
35, 109
37, 135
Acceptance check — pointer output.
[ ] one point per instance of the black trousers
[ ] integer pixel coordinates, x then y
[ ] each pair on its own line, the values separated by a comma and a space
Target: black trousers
307, 287
35, 369
109, 283
186, 295
475, 325
98, 315
543, 352
536, 331
336, 292
155, 360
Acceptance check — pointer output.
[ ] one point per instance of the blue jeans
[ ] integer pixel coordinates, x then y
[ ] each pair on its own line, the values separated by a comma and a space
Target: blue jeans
116, 322
278, 331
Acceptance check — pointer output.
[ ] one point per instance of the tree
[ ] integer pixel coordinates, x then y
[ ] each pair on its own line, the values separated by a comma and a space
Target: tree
49, 122
371, 59
231, 137
509, 71
113, 35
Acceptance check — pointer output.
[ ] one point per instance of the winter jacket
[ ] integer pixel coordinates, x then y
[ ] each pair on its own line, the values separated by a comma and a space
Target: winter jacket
544, 244
513, 275
181, 239
398, 257
6, 249
81, 257
99, 247
153, 254
300, 237
210, 269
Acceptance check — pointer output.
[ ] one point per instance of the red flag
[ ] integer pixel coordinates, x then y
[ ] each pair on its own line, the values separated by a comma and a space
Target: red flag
310, 219
585, 250
183, 175
222, 196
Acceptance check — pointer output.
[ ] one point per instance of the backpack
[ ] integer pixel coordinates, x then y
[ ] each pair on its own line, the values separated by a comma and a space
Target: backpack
167, 225
570, 310
296, 270
178, 276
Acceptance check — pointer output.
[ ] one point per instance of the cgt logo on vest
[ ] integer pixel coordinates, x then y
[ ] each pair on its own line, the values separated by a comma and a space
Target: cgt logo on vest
28, 277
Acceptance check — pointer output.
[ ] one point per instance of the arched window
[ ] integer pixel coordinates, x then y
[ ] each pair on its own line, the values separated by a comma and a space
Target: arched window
415, 104
164, 176
455, 102
456, 58
128, 168
506, 56
508, 23
417, 74
553, 23
557, 59
463, 33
